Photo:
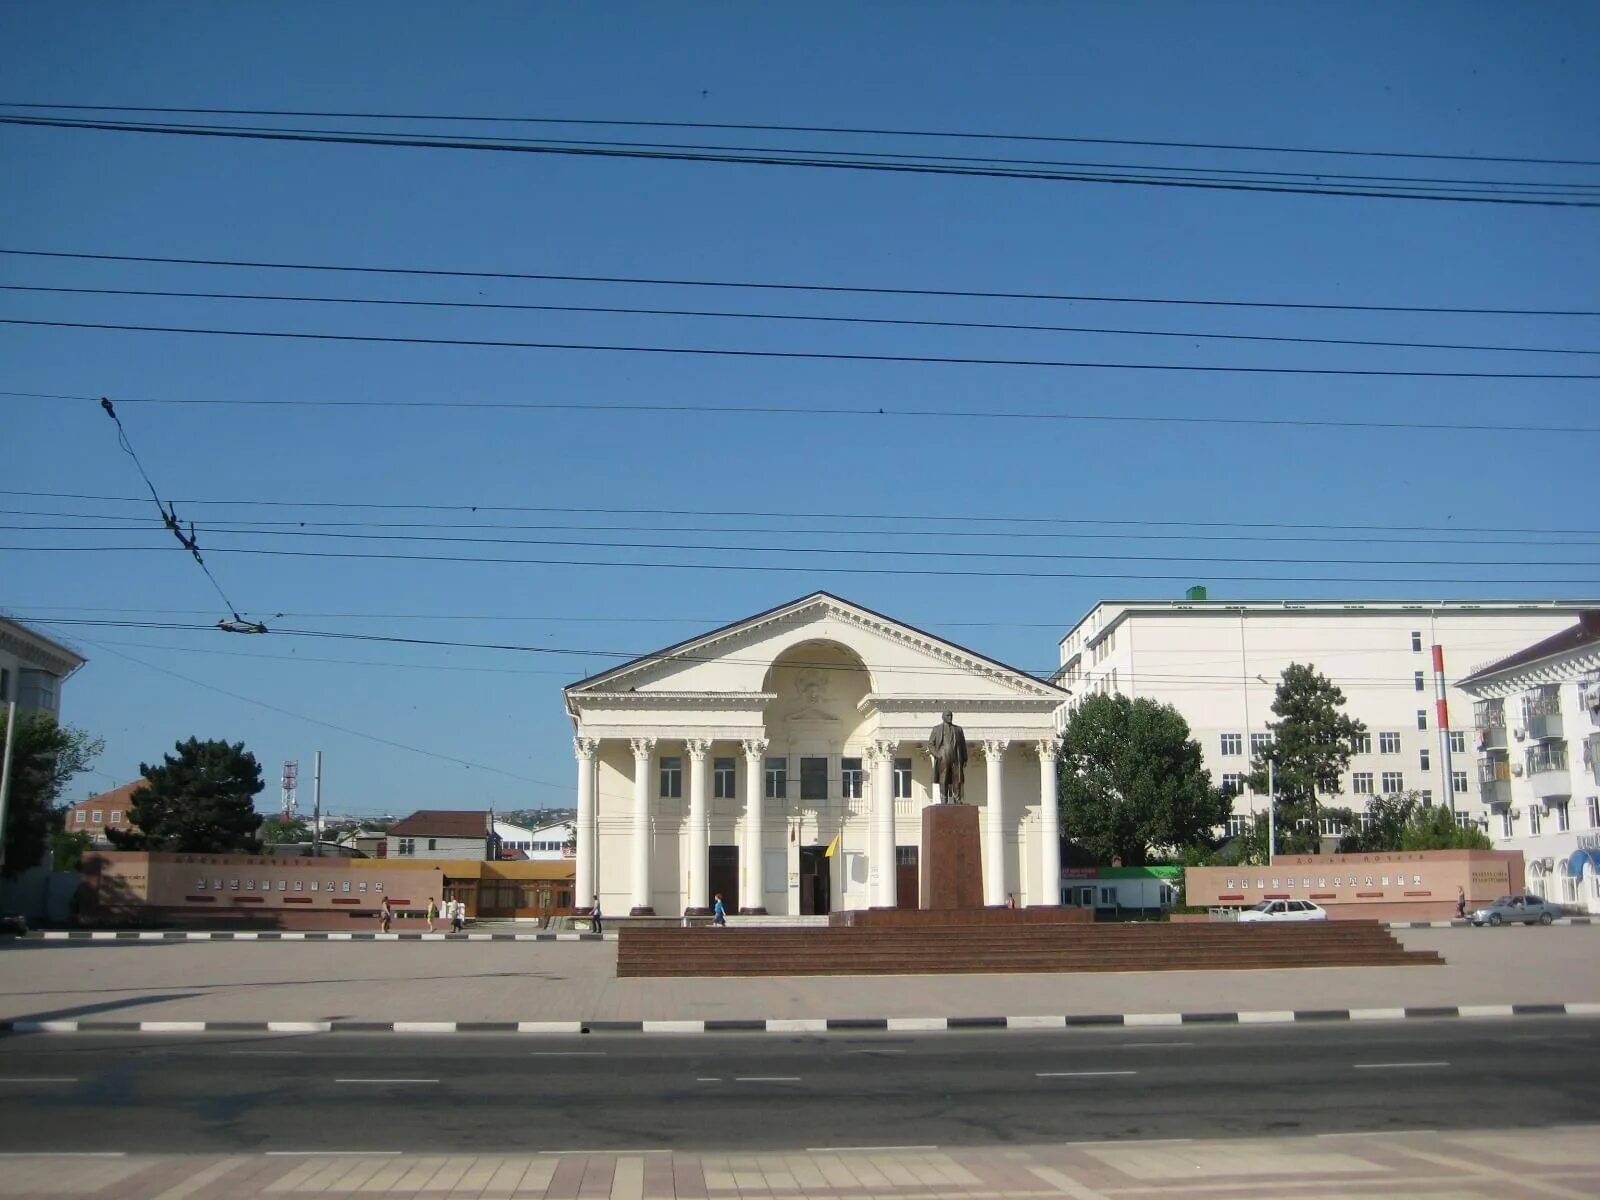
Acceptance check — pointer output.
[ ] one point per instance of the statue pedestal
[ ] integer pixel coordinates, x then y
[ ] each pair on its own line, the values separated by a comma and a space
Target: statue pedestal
951, 868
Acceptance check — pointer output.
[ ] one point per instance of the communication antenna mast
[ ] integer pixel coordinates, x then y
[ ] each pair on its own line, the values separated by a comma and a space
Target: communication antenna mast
291, 786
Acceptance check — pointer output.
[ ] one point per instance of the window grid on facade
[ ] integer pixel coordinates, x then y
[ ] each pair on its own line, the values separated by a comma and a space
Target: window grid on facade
1458, 741
902, 779
724, 779
777, 778
1388, 743
1427, 797
813, 779
850, 775
1417, 680
1505, 824
1361, 783
1424, 760
1594, 812
407, 846
1458, 782
1534, 819
1394, 782
1422, 718
1259, 742
671, 772
1232, 743
1232, 783
1416, 641
1239, 824
1464, 821
1362, 743
1563, 823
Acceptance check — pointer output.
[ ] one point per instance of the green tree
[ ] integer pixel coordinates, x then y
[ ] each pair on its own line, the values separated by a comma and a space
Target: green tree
45, 756
276, 831
1133, 780
1436, 829
199, 801
1404, 822
1309, 747
67, 848
1385, 826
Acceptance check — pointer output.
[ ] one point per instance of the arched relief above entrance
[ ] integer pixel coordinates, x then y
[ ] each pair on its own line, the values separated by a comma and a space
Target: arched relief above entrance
817, 687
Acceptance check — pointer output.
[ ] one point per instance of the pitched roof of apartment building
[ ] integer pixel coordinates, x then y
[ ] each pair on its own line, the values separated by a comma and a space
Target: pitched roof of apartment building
1585, 633
444, 822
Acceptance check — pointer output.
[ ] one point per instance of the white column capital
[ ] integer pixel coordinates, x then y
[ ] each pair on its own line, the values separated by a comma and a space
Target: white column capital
585, 748
643, 747
1049, 749
885, 749
995, 748
698, 748
755, 747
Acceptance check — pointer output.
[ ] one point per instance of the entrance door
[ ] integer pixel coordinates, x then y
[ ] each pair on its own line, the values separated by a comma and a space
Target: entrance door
722, 871
906, 894
815, 881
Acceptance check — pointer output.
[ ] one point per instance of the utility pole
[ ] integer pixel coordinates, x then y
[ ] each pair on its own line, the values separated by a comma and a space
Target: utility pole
1272, 812
5, 774
316, 807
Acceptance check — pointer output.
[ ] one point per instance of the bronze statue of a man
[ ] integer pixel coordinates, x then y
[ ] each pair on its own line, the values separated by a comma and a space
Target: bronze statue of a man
948, 746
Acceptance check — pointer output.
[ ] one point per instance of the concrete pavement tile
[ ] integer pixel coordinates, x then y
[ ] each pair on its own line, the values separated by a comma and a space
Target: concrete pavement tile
658, 1177
1065, 1184
385, 1177
364, 1169
204, 1180
627, 1181
598, 1172
688, 1179
805, 1171
1200, 1160
506, 1179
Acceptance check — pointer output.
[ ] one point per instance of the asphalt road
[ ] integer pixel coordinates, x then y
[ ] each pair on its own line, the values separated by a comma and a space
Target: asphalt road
707, 1093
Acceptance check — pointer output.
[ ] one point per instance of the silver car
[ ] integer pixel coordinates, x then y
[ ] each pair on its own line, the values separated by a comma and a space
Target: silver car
1527, 909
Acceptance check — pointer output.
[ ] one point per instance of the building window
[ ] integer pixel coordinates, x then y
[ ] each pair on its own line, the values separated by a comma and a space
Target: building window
116, 816
777, 779
1416, 678
1388, 743
1240, 824
1594, 812
433, 843
1534, 820
408, 846
1394, 782
1424, 761
813, 779
1464, 821
902, 779
1427, 797
724, 779
95, 817
1232, 783
1416, 641
1362, 743
1361, 783
1422, 718
1563, 823
1458, 782
1259, 743
1458, 741
81, 817
850, 778
1232, 743
1505, 823
671, 777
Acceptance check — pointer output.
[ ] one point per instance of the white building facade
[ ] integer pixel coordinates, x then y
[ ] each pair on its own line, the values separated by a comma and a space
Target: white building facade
1536, 745
780, 762
1219, 664
33, 668
547, 843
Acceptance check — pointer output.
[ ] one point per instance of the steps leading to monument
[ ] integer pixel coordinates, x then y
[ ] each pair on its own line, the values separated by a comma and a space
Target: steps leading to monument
1005, 949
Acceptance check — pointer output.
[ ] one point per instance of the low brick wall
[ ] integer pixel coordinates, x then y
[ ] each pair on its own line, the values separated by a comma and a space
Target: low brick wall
912, 918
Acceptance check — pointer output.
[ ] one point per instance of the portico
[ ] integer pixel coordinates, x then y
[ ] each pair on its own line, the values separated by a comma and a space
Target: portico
780, 761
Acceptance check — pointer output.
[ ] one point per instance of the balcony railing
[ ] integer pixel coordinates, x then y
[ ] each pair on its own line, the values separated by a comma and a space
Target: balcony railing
1489, 719
1541, 702
1591, 755
1551, 756
1496, 793
1494, 770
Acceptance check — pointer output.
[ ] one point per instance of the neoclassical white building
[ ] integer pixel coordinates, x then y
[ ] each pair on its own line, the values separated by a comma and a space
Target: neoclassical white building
780, 761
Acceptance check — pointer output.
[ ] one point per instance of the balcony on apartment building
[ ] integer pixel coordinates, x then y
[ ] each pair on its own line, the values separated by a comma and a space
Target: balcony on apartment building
1546, 765
1591, 756
1494, 781
1489, 718
1541, 712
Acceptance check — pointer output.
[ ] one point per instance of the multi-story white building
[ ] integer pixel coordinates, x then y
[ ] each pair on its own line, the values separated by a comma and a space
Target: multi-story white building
546, 843
33, 668
1219, 662
1537, 759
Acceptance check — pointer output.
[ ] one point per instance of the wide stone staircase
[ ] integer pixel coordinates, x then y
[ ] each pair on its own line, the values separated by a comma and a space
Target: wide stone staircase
1007, 948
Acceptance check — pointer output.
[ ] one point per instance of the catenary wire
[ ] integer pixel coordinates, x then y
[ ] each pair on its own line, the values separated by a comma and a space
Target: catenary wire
795, 355
833, 129
796, 317
948, 293
1522, 196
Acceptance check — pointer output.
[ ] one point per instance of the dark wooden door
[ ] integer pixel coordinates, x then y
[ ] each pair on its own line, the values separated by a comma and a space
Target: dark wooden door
722, 871
815, 881
906, 894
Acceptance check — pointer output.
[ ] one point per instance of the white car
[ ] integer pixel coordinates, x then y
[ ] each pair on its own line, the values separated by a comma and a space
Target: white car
1284, 910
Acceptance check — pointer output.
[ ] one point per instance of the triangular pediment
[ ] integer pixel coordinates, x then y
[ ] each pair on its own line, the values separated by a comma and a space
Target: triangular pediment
733, 661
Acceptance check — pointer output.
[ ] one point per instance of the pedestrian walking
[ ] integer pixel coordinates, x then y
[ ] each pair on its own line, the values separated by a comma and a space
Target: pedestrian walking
458, 915
1461, 903
594, 916
719, 915
433, 912
386, 914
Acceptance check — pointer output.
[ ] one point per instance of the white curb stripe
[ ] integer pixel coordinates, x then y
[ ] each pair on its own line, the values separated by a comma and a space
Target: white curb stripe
147, 935
55, 935
424, 1026
1377, 1014
918, 1024
797, 1025
1485, 1010
46, 1026
549, 1026
1267, 1016
299, 1026
1152, 1019
1583, 1010
1036, 1022
172, 1026
244, 937
674, 1026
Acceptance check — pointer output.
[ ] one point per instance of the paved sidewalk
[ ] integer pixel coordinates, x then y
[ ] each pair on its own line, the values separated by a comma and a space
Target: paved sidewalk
575, 982
1478, 1165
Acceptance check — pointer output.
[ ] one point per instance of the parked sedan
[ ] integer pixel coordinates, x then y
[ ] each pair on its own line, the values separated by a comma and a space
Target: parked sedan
1527, 909
1284, 910
13, 923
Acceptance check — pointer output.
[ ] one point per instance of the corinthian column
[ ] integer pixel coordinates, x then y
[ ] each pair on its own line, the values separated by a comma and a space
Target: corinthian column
994, 870
753, 885
1049, 821
881, 854
642, 751
699, 831
585, 885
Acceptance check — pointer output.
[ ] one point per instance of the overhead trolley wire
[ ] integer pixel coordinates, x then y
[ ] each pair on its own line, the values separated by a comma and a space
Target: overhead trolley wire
795, 355
791, 317
761, 285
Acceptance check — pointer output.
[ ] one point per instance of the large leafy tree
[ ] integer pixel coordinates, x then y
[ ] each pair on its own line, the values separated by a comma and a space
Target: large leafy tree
198, 801
45, 755
1133, 780
1309, 747
1404, 822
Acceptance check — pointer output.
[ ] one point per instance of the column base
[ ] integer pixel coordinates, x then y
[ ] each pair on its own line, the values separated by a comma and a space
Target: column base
752, 912
697, 912
641, 911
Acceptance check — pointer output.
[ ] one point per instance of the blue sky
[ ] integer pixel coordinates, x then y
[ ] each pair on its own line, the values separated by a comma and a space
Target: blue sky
1464, 79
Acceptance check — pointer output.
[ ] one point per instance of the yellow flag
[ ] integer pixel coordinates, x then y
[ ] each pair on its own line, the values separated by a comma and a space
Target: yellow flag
833, 846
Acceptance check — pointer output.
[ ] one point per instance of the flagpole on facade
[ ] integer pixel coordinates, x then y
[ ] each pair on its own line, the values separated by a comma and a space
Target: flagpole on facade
1272, 814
